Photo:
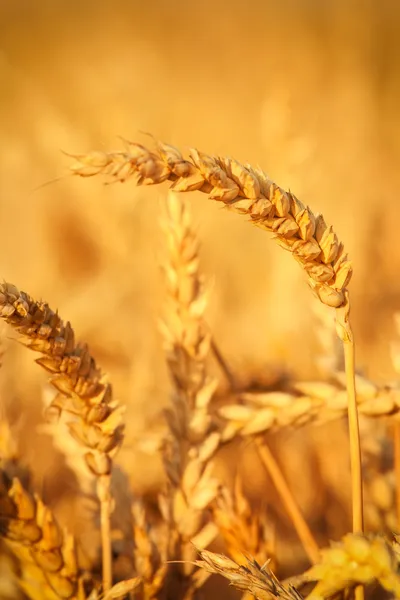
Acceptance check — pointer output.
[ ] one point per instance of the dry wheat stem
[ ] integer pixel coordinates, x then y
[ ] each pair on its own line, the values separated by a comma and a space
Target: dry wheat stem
355, 448
83, 392
104, 495
300, 524
346, 335
395, 352
396, 438
230, 377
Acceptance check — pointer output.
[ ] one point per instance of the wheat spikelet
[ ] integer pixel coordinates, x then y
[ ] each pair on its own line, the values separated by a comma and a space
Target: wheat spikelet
83, 392
355, 560
48, 562
303, 403
245, 190
244, 530
10, 467
150, 552
258, 580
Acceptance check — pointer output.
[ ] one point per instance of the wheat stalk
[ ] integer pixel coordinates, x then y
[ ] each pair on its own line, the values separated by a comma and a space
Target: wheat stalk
83, 393
395, 352
303, 531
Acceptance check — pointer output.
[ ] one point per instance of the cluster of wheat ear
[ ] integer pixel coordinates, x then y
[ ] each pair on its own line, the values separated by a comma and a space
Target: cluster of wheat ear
168, 553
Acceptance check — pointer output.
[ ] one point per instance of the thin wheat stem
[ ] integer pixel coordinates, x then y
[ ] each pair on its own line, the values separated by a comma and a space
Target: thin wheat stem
303, 531
355, 446
223, 365
104, 495
346, 335
396, 435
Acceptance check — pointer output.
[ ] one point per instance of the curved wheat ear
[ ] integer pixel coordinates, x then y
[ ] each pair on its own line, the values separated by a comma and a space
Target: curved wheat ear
245, 190
83, 392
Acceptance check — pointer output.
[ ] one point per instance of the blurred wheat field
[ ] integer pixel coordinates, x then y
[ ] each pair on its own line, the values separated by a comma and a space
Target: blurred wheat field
309, 91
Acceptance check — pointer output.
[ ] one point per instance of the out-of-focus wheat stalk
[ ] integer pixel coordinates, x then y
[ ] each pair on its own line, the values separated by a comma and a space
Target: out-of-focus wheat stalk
297, 229
191, 444
293, 509
379, 480
83, 393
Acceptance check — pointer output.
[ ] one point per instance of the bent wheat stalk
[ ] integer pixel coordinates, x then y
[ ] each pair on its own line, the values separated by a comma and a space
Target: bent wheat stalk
248, 191
83, 393
292, 508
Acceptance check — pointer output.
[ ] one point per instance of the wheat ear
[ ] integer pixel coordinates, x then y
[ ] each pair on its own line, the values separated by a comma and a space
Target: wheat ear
48, 561
258, 580
83, 392
190, 447
303, 403
245, 531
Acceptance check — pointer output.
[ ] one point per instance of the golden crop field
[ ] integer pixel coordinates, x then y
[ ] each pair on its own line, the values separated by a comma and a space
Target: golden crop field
193, 417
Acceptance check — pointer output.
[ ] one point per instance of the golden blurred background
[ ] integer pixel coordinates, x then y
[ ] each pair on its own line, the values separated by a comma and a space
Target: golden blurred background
307, 89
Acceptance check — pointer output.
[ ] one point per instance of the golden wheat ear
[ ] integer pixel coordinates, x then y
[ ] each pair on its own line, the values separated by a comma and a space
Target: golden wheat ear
242, 189
192, 441
83, 393
49, 567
